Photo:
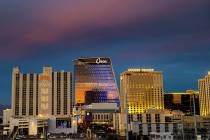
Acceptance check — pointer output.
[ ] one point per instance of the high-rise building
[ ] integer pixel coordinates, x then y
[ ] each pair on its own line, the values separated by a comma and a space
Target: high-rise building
144, 89
140, 89
183, 101
204, 95
45, 94
94, 81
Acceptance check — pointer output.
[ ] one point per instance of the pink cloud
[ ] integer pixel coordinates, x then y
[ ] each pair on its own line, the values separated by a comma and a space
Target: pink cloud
47, 23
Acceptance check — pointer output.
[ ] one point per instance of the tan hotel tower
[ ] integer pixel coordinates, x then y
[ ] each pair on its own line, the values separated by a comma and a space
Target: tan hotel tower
144, 90
44, 95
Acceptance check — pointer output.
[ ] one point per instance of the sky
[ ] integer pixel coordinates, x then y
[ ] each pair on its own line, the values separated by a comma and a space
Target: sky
167, 35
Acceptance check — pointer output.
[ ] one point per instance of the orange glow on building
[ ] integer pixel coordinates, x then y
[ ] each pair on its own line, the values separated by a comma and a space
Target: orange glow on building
45, 77
94, 81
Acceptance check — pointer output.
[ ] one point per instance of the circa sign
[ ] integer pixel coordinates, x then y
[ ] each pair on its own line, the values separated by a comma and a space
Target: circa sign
101, 61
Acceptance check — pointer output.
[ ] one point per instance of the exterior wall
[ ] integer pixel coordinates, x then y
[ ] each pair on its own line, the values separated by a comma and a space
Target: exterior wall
144, 89
203, 85
116, 125
24, 90
45, 92
104, 118
152, 120
122, 124
32, 127
161, 136
52, 127
44, 95
32, 124
7, 114
94, 77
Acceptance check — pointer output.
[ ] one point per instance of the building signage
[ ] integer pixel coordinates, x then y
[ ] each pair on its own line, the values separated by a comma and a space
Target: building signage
44, 77
101, 61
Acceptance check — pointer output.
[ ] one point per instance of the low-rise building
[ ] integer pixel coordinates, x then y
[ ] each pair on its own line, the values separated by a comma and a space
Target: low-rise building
35, 126
152, 120
7, 114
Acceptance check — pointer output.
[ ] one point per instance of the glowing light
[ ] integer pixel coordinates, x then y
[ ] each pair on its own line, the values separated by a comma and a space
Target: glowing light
140, 70
74, 122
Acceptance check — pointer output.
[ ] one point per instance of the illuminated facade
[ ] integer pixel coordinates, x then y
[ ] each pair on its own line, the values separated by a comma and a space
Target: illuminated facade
183, 101
45, 94
144, 89
94, 81
204, 95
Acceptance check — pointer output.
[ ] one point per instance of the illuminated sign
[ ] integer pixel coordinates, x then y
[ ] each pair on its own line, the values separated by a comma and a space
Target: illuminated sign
100, 61
44, 77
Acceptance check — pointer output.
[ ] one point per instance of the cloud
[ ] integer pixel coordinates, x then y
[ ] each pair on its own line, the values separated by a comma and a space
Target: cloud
28, 26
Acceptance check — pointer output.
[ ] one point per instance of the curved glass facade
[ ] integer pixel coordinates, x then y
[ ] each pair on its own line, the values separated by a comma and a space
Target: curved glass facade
95, 81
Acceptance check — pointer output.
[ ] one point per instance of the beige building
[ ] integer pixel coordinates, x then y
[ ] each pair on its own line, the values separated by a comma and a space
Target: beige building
43, 95
204, 95
7, 114
153, 120
143, 88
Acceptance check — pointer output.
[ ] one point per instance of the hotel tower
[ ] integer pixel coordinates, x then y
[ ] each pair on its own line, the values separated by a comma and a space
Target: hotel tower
140, 89
45, 94
94, 81
144, 89
204, 95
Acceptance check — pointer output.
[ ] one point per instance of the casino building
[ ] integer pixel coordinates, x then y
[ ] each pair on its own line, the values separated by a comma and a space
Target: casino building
95, 81
41, 101
45, 94
140, 89
143, 89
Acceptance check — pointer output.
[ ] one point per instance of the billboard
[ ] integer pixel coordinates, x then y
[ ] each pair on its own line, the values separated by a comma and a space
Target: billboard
63, 123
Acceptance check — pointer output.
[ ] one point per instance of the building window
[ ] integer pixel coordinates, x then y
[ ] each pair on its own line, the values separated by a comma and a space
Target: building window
140, 129
24, 94
157, 118
130, 118
166, 127
149, 128
175, 127
139, 117
168, 119
157, 127
148, 117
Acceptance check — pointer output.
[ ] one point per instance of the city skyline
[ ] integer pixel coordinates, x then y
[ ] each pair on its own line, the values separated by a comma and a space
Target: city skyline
169, 36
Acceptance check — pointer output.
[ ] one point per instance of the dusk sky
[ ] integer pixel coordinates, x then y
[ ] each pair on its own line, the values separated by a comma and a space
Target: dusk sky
172, 36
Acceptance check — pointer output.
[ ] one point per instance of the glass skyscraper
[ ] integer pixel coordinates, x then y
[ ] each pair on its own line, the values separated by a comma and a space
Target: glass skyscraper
94, 81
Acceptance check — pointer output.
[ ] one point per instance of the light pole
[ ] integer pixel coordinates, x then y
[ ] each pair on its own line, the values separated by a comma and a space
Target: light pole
127, 135
126, 102
195, 122
182, 127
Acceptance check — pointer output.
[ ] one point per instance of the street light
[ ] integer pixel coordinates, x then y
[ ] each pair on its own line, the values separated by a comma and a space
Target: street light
126, 101
195, 122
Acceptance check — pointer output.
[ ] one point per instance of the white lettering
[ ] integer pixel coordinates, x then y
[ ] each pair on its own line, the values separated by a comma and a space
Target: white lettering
99, 61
